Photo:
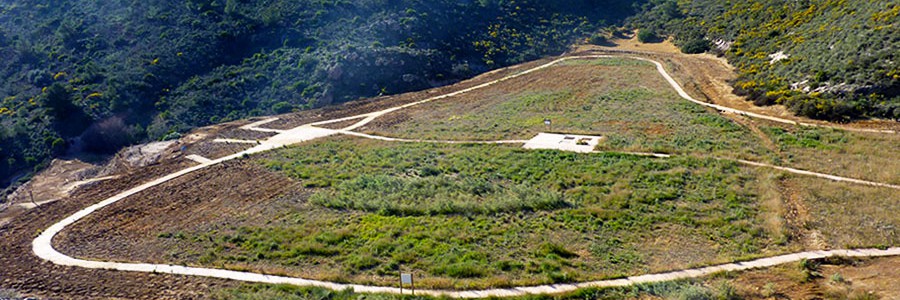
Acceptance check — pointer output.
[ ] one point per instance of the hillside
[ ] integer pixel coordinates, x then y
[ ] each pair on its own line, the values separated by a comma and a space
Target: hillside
97, 75
824, 59
419, 183
85, 76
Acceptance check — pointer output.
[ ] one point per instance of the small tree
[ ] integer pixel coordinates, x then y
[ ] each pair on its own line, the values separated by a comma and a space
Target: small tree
282, 107
69, 119
597, 39
694, 46
110, 134
648, 36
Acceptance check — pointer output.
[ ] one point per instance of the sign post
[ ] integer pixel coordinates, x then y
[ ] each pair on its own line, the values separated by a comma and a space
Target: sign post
549, 124
407, 279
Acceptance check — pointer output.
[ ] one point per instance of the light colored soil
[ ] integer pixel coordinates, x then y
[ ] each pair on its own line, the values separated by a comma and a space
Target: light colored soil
52, 182
879, 276
798, 218
632, 44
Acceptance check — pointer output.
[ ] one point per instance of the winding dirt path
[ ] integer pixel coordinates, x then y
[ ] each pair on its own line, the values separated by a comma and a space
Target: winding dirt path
42, 245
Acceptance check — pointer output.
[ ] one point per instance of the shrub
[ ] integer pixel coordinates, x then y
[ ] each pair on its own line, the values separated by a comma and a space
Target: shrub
462, 270
693, 292
648, 36
837, 278
725, 291
58, 146
282, 107
695, 46
597, 39
362, 262
555, 249
109, 135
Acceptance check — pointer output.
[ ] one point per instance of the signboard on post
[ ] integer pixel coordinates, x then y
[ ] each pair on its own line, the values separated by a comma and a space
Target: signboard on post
549, 124
406, 278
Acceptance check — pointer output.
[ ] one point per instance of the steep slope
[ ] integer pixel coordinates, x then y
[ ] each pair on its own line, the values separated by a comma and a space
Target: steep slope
826, 59
115, 72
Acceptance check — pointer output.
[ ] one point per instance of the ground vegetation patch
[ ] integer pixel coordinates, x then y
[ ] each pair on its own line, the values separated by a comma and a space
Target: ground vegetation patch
622, 99
490, 215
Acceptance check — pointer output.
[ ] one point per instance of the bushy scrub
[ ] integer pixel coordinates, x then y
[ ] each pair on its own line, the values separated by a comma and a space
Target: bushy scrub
785, 52
439, 194
491, 215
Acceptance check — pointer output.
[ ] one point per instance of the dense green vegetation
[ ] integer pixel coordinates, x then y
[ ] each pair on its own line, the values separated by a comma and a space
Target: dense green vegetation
593, 215
840, 58
116, 72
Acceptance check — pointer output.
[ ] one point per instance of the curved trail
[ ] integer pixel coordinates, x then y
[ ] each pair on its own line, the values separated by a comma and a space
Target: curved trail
42, 245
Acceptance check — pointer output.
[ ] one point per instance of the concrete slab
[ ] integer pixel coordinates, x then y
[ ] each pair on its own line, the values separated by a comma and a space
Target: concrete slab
564, 142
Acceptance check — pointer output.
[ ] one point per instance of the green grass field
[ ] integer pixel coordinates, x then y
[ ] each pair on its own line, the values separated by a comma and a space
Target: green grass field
481, 216
624, 100
491, 215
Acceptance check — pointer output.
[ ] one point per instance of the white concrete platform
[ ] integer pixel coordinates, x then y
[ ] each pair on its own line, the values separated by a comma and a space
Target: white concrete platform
564, 142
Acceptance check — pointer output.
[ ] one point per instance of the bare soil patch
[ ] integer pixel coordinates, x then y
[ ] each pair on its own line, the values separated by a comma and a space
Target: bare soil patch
52, 182
27, 274
214, 150
340, 125
237, 133
364, 106
130, 230
835, 278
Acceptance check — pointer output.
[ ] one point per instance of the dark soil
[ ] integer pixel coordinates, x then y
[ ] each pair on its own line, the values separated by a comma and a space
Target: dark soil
28, 274
141, 227
364, 106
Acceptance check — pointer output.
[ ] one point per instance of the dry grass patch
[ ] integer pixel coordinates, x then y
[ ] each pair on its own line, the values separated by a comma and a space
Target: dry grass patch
866, 156
521, 217
851, 216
